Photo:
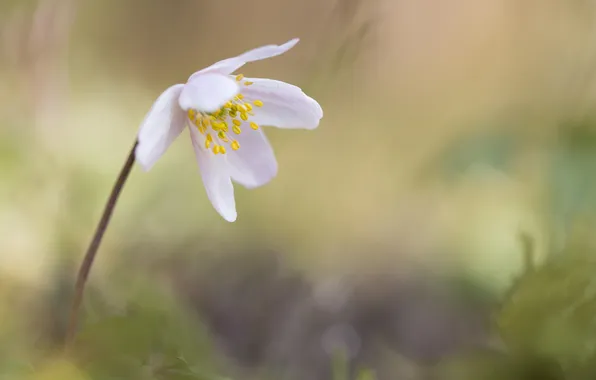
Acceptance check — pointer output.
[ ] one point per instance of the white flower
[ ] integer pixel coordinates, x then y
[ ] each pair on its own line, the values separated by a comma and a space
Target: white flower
224, 114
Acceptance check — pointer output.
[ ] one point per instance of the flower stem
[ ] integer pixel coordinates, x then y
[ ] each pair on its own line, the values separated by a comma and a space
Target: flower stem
87, 263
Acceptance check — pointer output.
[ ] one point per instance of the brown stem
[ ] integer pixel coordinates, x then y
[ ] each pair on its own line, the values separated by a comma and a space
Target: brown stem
85, 267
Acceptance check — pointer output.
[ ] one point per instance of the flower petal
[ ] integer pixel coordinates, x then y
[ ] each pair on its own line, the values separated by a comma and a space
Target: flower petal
216, 178
284, 105
163, 123
228, 66
208, 92
254, 164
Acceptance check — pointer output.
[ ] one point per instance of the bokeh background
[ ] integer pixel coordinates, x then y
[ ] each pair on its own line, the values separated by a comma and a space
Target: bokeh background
438, 224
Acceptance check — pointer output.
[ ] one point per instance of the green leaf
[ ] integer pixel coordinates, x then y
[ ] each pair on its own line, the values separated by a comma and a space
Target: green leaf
366, 374
494, 149
155, 339
490, 365
552, 313
572, 182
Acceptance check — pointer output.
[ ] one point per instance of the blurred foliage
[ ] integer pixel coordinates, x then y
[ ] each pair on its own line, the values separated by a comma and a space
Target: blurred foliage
494, 147
572, 183
551, 312
495, 365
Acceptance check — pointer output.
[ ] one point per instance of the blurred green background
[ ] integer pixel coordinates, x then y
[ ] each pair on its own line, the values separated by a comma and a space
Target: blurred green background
437, 225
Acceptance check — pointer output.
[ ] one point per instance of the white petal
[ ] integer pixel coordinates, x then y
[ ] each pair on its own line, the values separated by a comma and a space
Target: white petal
284, 105
208, 92
228, 66
254, 164
216, 178
163, 123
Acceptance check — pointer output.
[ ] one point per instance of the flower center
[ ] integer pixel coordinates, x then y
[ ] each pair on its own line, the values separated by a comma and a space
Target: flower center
215, 126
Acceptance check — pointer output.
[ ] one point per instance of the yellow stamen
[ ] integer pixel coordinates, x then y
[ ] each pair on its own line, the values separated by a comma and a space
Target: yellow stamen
239, 77
248, 83
219, 126
215, 125
222, 136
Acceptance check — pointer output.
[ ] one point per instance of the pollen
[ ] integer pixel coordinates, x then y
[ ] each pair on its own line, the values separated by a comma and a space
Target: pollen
214, 126
239, 77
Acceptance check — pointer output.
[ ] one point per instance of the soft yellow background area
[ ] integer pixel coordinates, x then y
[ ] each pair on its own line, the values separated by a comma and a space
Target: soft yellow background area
400, 82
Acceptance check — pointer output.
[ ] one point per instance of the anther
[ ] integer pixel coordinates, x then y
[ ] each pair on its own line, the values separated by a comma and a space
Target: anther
222, 136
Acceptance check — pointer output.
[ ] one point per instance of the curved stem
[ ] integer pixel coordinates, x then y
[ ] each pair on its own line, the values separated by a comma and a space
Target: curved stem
87, 263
